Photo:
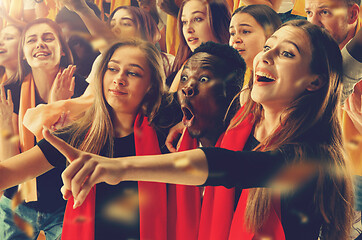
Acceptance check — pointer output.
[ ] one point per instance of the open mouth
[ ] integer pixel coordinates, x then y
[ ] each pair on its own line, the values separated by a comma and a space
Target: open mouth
41, 54
2, 51
188, 116
264, 77
192, 39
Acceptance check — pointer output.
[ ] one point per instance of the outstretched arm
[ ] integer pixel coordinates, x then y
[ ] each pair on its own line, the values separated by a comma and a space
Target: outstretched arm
88, 169
23, 167
96, 27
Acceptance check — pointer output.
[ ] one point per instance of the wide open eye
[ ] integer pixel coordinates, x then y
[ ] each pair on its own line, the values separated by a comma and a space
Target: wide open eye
204, 79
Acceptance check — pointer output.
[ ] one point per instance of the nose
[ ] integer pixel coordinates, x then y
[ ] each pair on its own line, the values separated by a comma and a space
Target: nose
190, 89
315, 19
116, 30
189, 27
40, 44
120, 79
267, 57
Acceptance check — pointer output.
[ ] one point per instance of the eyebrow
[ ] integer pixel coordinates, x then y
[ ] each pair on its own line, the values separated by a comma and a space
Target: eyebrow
290, 42
195, 13
320, 7
123, 18
46, 33
241, 25
132, 64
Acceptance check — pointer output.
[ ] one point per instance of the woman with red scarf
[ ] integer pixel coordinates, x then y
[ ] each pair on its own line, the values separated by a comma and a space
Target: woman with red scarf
296, 182
128, 95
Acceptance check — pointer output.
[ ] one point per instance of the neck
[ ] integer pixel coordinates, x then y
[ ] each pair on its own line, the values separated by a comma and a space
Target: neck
270, 121
210, 138
123, 124
44, 79
10, 71
351, 33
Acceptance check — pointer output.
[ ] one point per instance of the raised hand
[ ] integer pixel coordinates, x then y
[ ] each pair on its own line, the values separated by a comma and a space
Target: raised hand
72, 5
173, 137
63, 86
85, 170
6, 109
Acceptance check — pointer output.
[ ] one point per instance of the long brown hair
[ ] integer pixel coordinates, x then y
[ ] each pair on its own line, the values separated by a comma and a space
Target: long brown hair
94, 131
219, 19
310, 126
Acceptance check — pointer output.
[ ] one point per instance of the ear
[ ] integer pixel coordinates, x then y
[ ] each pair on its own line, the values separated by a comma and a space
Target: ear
353, 13
315, 84
63, 54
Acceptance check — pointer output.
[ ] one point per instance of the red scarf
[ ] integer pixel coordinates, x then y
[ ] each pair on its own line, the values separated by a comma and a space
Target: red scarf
218, 220
184, 202
79, 223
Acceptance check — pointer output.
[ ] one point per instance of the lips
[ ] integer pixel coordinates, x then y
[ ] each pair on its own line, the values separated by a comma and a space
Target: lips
2, 50
264, 77
41, 54
117, 92
192, 40
188, 116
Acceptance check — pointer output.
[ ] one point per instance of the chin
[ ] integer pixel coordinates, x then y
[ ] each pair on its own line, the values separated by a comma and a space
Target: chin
195, 133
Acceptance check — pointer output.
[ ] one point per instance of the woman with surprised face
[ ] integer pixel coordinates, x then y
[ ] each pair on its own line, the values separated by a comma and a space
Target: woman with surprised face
295, 180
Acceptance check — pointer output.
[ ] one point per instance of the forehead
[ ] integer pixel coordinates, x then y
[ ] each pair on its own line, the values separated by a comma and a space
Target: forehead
202, 60
193, 7
325, 3
244, 19
293, 36
122, 13
39, 29
130, 55
10, 30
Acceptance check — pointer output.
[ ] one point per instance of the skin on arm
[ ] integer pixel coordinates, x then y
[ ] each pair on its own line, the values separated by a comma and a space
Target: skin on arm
86, 170
23, 167
96, 27
49, 114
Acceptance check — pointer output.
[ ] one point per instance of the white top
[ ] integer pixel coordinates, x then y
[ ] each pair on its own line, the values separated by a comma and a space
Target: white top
352, 73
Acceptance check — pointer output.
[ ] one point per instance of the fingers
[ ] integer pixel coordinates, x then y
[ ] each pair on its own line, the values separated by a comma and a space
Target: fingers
174, 136
66, 193
10, 98
68, 151
2, 94
92, 179
72, 85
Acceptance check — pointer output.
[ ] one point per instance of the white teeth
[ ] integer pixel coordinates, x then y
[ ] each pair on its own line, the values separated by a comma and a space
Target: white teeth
263, 74
42, 54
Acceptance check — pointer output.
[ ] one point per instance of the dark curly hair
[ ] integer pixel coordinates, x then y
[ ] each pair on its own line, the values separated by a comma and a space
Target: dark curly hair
227, 65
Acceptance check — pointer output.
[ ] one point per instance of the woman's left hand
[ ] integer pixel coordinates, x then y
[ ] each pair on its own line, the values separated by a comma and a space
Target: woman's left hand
63, 86
6, 109
85, 170
353, 106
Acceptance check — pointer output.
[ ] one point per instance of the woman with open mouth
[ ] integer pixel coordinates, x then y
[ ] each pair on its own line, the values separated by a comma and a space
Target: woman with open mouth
44, 64
198, 22
296, 181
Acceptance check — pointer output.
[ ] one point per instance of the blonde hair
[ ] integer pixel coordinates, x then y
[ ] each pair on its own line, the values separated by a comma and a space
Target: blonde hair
94, 131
